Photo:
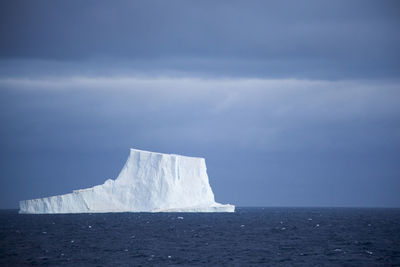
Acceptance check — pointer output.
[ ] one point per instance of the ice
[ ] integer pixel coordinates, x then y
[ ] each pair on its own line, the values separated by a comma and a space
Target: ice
149, 182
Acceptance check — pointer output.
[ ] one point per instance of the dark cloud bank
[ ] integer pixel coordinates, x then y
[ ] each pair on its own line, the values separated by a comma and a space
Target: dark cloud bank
291, 103
308, 39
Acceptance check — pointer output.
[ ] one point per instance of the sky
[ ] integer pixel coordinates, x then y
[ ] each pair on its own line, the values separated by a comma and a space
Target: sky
291, 103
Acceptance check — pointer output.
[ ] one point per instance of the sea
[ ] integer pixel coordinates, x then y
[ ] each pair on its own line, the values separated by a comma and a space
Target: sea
248, 237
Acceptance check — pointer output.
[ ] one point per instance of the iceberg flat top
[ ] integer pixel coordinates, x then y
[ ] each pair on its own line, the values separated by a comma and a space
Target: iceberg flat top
165, 154
148, 182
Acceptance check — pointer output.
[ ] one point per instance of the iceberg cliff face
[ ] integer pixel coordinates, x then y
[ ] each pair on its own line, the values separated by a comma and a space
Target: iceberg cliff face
149, 182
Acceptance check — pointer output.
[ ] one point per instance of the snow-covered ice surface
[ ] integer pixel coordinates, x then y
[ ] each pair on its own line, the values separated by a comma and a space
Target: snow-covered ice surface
149, 182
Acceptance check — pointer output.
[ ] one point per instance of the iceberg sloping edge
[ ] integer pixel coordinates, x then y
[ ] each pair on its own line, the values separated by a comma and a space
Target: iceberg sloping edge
148, 182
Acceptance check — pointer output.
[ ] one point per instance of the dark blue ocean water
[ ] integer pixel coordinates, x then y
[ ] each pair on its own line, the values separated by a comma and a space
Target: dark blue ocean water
250, 236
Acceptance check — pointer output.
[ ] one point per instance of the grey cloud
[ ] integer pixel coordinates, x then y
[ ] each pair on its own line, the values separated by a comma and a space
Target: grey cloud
286, 136
291, 103
312, 39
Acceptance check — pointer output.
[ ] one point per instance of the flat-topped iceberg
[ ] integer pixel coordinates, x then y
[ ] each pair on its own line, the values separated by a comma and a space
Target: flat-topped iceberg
149, 182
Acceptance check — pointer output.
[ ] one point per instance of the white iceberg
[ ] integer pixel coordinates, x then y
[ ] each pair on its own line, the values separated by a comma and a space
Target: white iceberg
149, 182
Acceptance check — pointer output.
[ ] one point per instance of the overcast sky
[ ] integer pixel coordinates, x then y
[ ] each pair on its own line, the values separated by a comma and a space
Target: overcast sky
292, 103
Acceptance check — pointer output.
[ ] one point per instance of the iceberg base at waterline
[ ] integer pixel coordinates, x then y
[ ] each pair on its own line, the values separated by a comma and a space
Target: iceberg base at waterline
149, 182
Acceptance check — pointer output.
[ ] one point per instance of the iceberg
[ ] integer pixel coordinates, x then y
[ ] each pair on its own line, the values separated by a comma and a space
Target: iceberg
149, 182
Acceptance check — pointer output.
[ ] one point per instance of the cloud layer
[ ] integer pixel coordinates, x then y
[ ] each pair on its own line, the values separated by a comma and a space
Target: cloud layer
291, 103
311, 39
291, 137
